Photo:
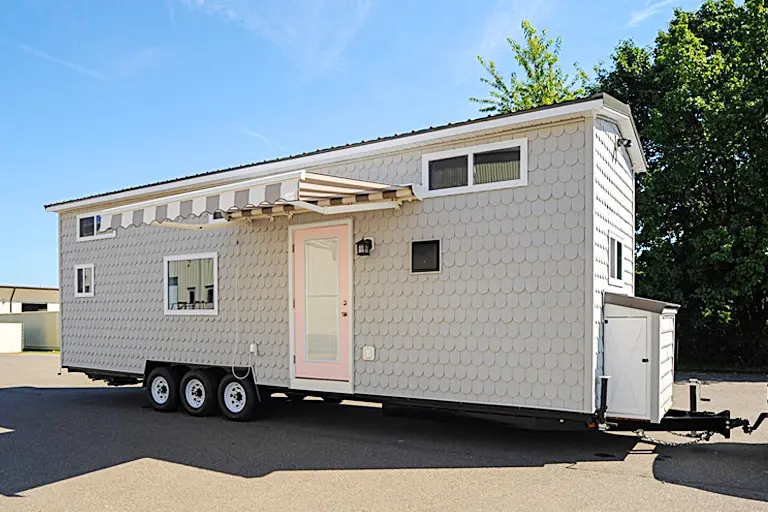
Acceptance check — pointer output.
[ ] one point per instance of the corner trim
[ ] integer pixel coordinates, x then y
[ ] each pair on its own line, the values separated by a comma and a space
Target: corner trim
590, 348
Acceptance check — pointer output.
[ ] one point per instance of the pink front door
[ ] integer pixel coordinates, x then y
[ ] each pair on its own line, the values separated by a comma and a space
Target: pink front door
322, 259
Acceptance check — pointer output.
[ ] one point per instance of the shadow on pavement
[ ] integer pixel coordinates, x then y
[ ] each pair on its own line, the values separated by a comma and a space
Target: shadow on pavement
732, 469
57, 434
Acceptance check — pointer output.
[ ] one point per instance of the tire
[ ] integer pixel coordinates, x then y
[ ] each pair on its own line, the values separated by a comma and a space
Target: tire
198, 392
238, 399
163, 389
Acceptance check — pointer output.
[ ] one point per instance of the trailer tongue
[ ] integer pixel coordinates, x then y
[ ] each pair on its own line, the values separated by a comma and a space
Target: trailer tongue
704, 422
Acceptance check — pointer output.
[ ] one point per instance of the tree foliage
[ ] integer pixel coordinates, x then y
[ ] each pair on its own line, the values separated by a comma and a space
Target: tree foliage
544, 81
700, 99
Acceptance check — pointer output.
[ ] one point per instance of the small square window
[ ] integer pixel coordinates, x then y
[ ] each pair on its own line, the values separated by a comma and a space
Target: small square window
425, 256
87, 226
84, 280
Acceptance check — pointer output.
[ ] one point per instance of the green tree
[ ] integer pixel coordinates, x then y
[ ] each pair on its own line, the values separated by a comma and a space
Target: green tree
700, 98
544, 81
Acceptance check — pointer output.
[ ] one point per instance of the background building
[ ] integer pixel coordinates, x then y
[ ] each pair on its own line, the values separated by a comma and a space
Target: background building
29, 318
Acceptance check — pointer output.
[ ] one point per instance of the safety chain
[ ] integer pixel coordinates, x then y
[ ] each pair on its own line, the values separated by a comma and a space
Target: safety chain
695, 438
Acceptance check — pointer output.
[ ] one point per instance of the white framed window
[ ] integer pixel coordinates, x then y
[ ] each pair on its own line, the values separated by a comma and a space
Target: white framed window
425, 257
88, 226
616, 248
84, 280
475, 168
190, 284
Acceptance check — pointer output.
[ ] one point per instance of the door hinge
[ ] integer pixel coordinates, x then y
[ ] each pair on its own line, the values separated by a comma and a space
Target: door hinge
294, 358
294, 303
293, 247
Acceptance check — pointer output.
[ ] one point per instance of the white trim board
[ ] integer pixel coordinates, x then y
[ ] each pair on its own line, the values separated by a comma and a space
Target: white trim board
321, 385
334, 156
590, 344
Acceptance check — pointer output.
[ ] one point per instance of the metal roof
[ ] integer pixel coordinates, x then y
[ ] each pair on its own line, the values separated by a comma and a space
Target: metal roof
654, 306
29, 294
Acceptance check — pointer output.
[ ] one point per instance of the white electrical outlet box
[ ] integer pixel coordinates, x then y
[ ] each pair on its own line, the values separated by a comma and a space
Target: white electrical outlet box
252, 348
369, 353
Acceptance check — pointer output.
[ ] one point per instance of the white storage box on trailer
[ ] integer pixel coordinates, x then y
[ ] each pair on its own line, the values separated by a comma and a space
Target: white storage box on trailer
639, 356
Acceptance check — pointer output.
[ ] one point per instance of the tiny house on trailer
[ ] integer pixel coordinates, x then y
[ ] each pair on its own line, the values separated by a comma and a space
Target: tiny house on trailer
486, 265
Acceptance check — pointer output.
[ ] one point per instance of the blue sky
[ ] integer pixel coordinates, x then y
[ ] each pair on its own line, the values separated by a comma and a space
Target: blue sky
97, 95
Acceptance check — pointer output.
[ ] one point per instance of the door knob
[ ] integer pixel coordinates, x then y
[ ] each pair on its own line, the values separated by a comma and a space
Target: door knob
343, 303
343, 313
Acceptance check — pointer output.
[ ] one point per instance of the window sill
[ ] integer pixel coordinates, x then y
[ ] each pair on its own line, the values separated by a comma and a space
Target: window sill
102, 236
618, 283
469, 189
84, 295
191, 312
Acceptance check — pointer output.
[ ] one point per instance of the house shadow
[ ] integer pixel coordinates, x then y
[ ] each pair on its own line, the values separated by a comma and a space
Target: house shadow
50, 435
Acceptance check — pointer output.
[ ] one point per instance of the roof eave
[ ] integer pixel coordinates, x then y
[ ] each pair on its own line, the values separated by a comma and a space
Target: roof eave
600, 103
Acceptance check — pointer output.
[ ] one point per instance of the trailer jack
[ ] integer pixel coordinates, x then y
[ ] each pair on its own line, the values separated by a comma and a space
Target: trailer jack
746, 426
693, 420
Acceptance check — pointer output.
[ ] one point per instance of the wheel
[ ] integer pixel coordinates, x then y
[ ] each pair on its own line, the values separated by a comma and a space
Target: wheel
198, 392
238, 400
163, 389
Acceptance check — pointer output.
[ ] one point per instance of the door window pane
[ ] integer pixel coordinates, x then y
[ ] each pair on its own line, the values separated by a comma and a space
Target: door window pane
496, 166
448, 173
321, 301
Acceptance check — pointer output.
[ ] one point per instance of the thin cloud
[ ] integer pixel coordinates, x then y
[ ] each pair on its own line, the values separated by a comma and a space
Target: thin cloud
651, 8
263, 138
98, 75
504, 21
171, 14
488, 39
132, 64
312, 34
257, 135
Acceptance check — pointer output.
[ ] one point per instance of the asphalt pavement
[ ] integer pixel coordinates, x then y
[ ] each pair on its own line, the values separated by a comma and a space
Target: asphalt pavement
69, 444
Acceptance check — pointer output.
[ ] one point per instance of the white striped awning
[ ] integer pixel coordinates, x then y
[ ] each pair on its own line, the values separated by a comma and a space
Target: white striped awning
285, 193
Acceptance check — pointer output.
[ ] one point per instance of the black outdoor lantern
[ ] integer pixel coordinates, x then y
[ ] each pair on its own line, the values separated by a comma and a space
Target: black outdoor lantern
364, 246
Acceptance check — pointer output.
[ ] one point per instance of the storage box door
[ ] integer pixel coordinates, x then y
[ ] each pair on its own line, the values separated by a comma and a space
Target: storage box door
627, 358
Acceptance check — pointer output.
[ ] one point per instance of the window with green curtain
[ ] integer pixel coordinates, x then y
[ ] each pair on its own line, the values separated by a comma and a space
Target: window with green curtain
448, 173
493, 166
